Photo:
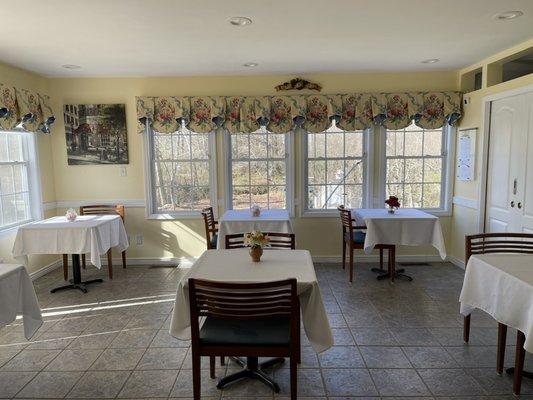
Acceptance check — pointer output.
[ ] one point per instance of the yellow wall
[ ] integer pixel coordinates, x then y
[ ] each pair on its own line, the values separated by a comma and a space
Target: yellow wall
186, 237
26, 80
465, 220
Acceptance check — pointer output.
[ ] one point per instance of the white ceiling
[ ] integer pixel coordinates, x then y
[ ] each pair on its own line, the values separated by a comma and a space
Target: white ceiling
193, 37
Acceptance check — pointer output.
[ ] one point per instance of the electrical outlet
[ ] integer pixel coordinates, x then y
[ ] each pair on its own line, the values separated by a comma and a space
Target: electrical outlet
123, 171
139, 240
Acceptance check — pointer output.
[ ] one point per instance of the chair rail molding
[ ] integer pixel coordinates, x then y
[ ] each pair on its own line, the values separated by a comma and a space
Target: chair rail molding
466, 202
77, 203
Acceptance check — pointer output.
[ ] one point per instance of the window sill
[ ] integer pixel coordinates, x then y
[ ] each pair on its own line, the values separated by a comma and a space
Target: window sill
174, 216
335, 213
11, 230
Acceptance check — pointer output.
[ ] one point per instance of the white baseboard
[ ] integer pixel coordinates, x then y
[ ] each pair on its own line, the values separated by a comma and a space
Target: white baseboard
46, 269
456, 261
365, 258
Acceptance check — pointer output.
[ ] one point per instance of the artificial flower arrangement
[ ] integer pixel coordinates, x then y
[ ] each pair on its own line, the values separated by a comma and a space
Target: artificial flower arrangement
71, 215
256, 210
392, 203
256, 240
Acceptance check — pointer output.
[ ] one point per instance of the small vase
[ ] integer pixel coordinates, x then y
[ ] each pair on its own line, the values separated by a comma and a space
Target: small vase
256, 253
391, 210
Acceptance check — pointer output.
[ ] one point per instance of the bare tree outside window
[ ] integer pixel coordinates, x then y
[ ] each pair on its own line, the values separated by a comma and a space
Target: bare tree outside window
181, 171
415, 161
259, 169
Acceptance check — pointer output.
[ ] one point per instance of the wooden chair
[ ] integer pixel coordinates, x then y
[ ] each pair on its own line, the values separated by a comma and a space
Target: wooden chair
277, 240
485, 243
353, 238
244, 319
99, 210
211, 230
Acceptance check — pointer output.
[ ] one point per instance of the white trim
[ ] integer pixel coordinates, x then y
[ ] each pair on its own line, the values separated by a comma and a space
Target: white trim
77, 203
486, 105
456, 261
466, 202
46, 269
371, 258
51, 205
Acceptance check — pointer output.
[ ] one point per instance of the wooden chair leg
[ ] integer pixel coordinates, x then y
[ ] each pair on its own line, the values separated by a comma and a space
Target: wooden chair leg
519, 362
502, 338
196, 378
65, 266
123, 259
381, 258
212, 367
466, 328
343, 253
392, 262
299, 343
110, 263
351, 261
83, 264
222, 360
294, 377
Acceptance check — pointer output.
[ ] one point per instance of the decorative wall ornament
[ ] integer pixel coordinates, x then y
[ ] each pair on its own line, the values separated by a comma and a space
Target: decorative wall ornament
298, 84
96, 133
314, 113
21, 106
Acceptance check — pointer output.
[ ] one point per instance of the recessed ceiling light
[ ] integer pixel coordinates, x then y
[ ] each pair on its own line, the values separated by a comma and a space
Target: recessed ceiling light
70, 66
505, 16
240, 21
250, 64
430, 61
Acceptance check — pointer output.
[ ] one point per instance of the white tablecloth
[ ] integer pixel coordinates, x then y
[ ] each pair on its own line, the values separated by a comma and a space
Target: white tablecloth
17, 296
407, 227
502, 286
241, 221
237, 266
94, 234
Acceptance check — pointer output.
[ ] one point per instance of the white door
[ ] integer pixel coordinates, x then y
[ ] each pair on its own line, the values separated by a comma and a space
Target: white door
506, 166
526, 207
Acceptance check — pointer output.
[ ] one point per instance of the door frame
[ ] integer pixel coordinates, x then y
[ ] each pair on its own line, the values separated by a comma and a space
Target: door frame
485, 146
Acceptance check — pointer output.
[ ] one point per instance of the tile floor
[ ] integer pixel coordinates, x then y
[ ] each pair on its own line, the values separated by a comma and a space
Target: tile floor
398, 341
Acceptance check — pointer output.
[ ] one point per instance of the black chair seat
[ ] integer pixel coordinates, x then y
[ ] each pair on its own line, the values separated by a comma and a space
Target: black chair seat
214, 240
225, 332
357, 237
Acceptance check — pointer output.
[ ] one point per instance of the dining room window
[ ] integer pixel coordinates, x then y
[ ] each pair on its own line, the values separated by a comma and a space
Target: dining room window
259, 170
416, 166
335, 166
182, 176
20, 200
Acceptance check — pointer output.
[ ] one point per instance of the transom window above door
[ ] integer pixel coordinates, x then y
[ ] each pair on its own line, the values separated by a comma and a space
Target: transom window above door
259, 170
416, 166
335, 169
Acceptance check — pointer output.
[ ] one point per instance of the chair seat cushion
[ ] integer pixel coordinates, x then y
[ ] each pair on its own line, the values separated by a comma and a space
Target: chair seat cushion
261, 332
357, 237
214, 241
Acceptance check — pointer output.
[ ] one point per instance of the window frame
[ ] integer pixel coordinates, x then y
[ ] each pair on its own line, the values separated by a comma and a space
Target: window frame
289, 171
35, 206
448, 143
149, 165
368, 171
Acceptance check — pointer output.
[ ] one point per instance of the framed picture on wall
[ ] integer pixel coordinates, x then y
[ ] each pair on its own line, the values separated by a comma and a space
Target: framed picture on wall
96, 134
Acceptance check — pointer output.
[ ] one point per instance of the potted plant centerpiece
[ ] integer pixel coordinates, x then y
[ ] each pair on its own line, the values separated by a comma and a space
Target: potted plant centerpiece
392, 204
256, 240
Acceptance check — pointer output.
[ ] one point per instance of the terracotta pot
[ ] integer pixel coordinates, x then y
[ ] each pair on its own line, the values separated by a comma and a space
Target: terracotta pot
256, 253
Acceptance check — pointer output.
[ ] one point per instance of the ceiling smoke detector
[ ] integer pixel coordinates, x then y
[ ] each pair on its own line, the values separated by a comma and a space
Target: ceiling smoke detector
70, 66
250, 64
430, 61
508, 15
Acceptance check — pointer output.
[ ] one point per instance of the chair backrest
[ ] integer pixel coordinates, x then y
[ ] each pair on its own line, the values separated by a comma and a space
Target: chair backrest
498, 243
103, 209
243, 301
346, 218
277, 240
210, 224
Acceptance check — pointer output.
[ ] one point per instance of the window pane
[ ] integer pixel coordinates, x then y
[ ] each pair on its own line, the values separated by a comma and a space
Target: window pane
412, 196
395, 170
182, 197
200, 146
276, 172
240, 173
395, 190
335, 171
200, 173
9, 209
165, 173
21, 203
433, 143
200, 198
335, 145
354, 196
316, 145
277, 197
183, 174
413, 143
258, 146
258, 173
163, 198
335, 195
260, 196
432, 195
3, 147
354, 171
432, 170
19, 177
241, 197
15, 147
6, 179
394, 143
276, 145
354, 144
182, 146
163, 147
316, 196
317, 172
239, 146
413, 170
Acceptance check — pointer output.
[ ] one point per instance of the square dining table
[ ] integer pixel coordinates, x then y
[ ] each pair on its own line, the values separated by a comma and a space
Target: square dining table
406, 227
88, 234
242, 221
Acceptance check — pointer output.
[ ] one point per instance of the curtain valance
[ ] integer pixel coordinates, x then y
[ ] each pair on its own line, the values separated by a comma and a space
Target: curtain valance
314, 113
30, 108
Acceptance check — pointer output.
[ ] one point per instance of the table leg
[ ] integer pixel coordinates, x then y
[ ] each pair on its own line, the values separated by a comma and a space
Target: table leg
393, 272
518, 370
76, 273
253, 370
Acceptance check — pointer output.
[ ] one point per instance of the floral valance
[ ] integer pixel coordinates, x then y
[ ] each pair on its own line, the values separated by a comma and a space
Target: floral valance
313, 113
24, 106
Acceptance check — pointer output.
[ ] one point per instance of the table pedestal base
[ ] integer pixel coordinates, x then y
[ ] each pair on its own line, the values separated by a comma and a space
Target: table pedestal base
399, 274
525, 374
253, 370
76, 283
